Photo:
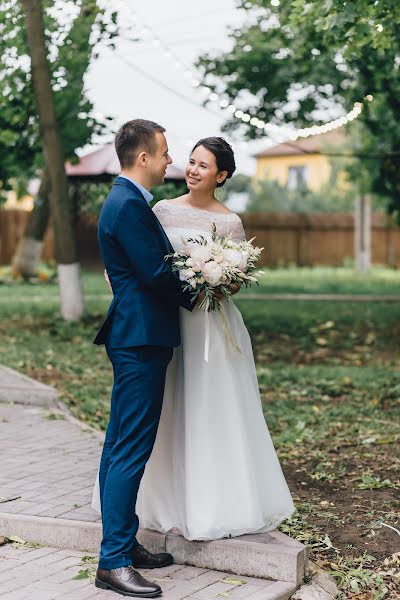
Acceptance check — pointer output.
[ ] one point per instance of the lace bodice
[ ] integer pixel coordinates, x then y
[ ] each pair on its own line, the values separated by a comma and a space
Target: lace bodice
185, 221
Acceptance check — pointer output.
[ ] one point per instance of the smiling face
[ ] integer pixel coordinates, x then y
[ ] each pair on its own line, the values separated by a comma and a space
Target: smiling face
201, 172
158, 160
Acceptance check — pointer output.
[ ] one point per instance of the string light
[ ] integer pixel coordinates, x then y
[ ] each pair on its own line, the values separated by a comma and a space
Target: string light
281, 132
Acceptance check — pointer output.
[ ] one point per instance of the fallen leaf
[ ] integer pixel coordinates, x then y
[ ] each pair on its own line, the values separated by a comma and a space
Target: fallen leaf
230, 581
16, 539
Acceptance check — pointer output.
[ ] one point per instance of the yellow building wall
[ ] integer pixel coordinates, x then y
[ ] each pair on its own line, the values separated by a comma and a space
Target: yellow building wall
277, 168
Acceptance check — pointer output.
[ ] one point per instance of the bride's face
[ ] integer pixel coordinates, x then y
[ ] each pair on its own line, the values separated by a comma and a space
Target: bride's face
201, 172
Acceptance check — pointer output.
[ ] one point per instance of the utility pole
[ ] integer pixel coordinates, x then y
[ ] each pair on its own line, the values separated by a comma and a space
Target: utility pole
362, 233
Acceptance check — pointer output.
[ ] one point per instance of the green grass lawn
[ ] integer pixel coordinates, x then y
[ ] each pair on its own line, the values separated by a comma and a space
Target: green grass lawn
291, 280
328, 280
330, 387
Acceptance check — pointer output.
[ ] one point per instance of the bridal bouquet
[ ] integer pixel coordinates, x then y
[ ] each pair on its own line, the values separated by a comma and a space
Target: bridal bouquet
206, 264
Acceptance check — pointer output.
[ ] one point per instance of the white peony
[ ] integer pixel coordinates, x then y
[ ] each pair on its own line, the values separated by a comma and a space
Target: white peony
234, 258
200, 254
212, 273
186, 274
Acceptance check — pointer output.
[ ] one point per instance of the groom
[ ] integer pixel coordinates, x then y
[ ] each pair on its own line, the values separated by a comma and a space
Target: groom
139, 332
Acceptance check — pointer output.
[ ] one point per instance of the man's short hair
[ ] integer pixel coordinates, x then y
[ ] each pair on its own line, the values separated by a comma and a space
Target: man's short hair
134, 137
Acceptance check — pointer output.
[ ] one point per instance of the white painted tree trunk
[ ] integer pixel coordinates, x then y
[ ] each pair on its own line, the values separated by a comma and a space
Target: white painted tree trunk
71, 293
362, 234
27, 256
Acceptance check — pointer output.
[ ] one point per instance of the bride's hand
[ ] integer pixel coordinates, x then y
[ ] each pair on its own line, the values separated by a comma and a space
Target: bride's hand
218, 293
107, 279
234, 288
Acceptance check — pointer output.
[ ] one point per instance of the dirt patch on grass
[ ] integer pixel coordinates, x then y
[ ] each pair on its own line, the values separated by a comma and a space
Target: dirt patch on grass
351, 517
48, 376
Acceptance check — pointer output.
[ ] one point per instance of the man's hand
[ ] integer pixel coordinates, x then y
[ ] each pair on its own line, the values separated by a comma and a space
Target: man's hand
107, 279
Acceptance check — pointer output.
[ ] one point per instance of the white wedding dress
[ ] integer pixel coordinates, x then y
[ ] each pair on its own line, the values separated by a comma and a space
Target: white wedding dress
214, 471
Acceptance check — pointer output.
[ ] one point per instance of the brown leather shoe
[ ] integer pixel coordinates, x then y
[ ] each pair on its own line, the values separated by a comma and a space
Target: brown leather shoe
143, 559
126, 581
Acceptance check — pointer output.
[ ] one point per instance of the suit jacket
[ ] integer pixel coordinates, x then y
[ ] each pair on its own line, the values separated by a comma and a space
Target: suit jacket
147, 294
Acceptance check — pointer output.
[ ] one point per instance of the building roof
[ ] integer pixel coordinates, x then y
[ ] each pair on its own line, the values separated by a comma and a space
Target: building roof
104, 161
314, 144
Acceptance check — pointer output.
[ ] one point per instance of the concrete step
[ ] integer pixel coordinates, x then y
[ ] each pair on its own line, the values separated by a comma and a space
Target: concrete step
271, 555
15, 387
47, 572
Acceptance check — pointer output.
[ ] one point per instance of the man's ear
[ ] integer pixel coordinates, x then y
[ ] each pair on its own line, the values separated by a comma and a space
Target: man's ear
142, 159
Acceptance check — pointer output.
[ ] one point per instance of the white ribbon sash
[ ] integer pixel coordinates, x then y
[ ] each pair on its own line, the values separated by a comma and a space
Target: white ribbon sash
229, 337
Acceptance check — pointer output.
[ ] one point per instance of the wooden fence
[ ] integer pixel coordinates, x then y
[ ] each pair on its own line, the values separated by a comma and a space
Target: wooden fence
288, 238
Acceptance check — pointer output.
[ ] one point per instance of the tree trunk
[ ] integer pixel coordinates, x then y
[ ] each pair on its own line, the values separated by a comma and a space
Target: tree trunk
27, 254
60, 207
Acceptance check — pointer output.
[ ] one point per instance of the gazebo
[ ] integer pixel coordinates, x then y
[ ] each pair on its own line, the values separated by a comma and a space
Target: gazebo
102, 165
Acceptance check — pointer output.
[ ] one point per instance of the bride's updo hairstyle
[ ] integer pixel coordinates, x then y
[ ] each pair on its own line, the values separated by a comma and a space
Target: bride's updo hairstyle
223, 153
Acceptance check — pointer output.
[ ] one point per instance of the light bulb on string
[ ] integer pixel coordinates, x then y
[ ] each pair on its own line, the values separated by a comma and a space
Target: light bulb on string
281, 131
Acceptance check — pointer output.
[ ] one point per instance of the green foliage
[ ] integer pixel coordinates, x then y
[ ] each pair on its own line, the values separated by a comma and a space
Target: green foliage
356, 24
238, 184
90, 196
46, 273
270, 195
166, 191
304, 61
70, 46
235, 185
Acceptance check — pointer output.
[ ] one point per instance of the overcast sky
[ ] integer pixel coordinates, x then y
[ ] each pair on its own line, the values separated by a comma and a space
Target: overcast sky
139, 89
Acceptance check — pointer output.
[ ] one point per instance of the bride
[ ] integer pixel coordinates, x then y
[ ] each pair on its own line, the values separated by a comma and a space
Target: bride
213, 472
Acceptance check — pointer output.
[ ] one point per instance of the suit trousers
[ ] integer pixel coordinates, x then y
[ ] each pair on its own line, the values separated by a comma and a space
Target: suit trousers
136, 402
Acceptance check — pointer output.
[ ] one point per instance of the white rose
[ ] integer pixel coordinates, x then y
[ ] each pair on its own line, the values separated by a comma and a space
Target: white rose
212, 273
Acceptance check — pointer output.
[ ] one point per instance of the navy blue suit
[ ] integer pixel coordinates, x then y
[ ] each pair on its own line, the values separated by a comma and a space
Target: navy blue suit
140, 330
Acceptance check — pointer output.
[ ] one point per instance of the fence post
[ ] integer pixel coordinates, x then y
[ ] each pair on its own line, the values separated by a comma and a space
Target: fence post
362, 233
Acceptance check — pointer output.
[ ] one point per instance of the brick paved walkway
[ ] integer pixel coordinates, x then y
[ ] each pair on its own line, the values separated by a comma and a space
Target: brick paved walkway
51, 463
45, 573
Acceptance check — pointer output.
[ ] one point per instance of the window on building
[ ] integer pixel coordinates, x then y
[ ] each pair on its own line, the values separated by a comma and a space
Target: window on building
297, 178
